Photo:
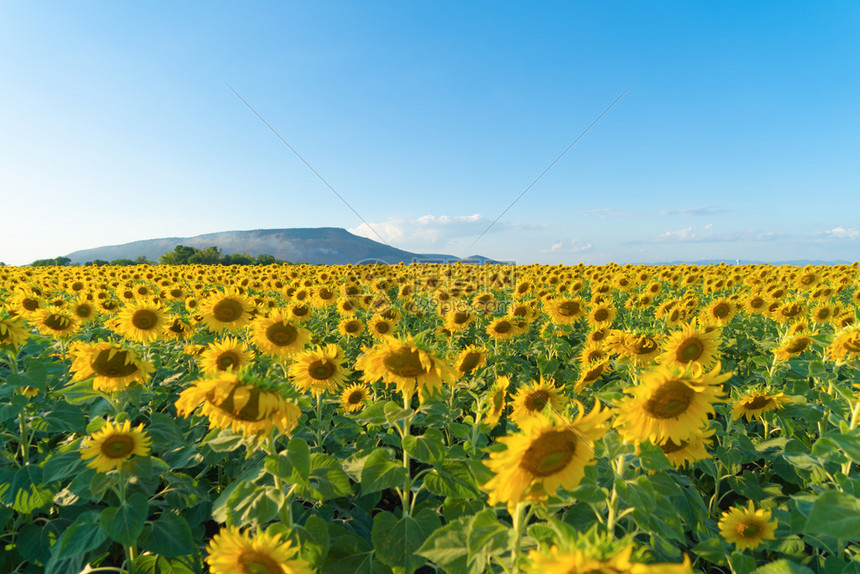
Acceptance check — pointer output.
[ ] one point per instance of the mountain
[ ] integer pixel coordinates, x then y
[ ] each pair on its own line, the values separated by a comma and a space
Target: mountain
321, 245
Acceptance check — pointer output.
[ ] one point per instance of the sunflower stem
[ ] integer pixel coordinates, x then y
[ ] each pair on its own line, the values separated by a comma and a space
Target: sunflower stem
318, 429
25, 439
407, 487
519, 521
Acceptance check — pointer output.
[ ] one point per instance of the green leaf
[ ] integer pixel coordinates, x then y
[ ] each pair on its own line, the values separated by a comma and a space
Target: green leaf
849, 443
27, 491
372, 415
312, 539
380, 472
396, 540
782, 567
169, 536
63, 417
429, 447
225, 441
298, 454
83, 535
394, 413
220, 504
742, 562
124, 523
835, 514
156, 564
250, 503
326, 479
164, 432
452, 478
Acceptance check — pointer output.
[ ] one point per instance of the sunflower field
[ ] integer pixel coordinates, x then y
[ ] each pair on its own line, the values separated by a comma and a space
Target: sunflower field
430, 418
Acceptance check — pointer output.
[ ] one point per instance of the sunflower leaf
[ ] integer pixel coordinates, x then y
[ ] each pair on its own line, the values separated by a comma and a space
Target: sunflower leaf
124, 523
835, 514
380, 472
168, 536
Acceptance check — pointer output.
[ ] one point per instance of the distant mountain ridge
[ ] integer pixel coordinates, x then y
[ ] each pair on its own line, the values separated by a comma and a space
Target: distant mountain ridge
316, 245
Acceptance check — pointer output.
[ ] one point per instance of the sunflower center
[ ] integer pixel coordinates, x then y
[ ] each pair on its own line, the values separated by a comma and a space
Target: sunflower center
641, 345
144, 319
593, 373
227, 310
503, 327
470, 361
114, 367
355, 397
601, 315
537, 400
721, 311
56, 322
756, 303
405, 362
227, 359
382, 327
83, 311
251, 412
177, 327
117, 446
852, 345
797, 345
689, 350
569, 309
747, 529
281, 334
253, 562
321, 369
461, 318
670, 400
549, 453
758, 402
29, 304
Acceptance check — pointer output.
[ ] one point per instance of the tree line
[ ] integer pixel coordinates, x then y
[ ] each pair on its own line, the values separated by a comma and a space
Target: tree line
181, 255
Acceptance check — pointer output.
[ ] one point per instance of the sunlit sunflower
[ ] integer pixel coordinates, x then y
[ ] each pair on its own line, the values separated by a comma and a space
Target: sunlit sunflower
720, 312
226, 309
55, 322
601, 315
822, 313
380, 327
26, 303
669, 404
457, 320
752, 405
632, 347
223, 355
354, 397
112, 446
470, 359
846, 344
792, 346
406, 365
141, 321
84, 310
497, 395
590, 373
503, 328
579, 562
756, 303
533, 398
234, 552
176, 328
690, 450
112, 366
547, 454
276, 336
564, 311
235, 401
299, 312
12, 332
319, 370
350, 327
597, 336
747, 527
691, 346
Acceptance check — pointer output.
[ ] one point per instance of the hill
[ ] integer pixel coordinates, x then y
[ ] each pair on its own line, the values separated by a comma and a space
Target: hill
322, 245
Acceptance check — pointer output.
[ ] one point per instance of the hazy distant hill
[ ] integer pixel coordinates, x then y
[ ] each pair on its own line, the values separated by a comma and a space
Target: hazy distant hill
322, 245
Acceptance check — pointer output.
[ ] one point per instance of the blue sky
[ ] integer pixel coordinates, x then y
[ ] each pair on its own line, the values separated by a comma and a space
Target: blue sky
739, 138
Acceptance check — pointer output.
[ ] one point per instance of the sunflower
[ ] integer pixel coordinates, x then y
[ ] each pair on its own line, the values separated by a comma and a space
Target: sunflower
845, 344
498, 394
756, 303
85, 311
590, 373
350, 327
691, 346
380, 327
299, 312
111, 446
534, 398
633, 347
226, 309
275, 336
719, 312
232, 551
406, 365
822, 313
565, 311
689, 450
354, 397
579, 562
112, 366
227, 354
457, 320
597, 336
470, 359
176, 328
319, 370
55, 322
141, 321
669, 404
503, 328
792, 346
549, 453
601, 315
12, 332
752, 405
26, 303
747, 527
234, 401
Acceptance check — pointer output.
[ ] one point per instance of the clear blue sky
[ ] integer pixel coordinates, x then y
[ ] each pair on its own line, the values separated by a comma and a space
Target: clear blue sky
739, 139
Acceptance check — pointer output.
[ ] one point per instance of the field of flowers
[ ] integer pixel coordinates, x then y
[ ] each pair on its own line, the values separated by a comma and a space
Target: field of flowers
430, 418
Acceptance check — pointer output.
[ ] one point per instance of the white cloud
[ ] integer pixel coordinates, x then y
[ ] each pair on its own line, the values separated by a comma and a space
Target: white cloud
573, 247
840, 233
706, 234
